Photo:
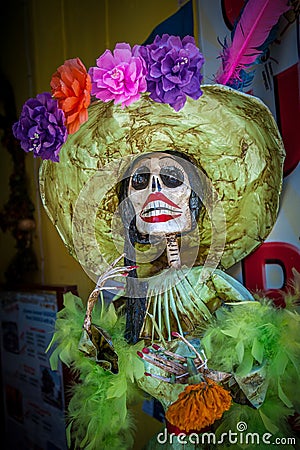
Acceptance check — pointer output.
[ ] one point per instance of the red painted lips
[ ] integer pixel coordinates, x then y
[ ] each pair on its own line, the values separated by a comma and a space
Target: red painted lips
159, 218
159, 203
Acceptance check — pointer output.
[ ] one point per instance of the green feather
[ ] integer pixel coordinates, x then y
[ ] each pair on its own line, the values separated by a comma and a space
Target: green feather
283, 396
268, 423
240, 350
246, 365
257, 350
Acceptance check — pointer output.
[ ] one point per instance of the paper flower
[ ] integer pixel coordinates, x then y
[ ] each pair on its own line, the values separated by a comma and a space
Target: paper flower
173, 67
119, 76
71, 86
41, 128
199, 406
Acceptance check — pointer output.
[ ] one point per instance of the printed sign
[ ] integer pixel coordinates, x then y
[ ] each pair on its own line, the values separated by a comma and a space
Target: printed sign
33, 393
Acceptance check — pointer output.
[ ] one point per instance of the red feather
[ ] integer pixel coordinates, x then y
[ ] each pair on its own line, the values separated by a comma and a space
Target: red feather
252, 30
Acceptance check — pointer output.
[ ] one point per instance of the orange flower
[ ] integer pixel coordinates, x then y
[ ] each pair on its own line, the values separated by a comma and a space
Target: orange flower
71, 86
198, 406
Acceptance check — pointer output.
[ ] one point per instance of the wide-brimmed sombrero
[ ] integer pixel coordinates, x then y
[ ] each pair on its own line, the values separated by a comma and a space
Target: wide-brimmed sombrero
232, 138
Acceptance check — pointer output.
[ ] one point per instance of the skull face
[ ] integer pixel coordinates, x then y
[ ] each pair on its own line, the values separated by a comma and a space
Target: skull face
159, 190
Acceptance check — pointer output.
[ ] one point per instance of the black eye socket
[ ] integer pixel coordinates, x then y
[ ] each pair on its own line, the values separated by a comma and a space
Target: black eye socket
172, 176
140, 179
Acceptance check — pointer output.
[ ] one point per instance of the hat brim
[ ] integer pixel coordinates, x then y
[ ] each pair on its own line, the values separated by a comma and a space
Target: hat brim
232, 138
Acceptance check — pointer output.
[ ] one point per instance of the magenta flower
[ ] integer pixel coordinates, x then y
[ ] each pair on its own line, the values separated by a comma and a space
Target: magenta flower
173, 69
119, 76
41, 128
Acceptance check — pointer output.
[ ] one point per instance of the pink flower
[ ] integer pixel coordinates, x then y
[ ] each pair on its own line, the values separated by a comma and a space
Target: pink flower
119, 76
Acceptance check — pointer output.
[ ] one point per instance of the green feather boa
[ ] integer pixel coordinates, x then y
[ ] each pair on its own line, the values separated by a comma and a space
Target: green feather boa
97, 412
242, 338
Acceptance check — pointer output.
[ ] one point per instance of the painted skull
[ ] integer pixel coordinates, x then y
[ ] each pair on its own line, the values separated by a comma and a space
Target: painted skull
159, 190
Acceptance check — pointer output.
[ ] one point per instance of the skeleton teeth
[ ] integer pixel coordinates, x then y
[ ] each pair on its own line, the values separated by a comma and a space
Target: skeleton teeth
157, 208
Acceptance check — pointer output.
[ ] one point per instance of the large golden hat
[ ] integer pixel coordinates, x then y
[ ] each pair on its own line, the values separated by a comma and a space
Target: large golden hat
232, 137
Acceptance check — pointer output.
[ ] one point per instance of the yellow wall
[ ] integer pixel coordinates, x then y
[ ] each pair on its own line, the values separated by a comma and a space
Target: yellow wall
37, 37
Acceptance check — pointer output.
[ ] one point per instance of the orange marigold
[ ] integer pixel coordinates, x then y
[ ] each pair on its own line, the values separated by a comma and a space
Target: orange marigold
71, 86
198, 406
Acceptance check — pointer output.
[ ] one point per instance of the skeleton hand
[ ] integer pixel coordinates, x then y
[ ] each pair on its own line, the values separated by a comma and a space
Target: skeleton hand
179, 368
111, 272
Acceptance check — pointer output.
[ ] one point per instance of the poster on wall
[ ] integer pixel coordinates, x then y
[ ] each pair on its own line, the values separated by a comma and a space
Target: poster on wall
271, 268
33, 394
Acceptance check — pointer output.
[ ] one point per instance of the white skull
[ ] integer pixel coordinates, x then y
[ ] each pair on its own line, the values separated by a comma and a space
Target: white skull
159, 190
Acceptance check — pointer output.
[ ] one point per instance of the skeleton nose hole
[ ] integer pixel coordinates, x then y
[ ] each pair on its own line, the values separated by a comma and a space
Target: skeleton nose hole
155, 184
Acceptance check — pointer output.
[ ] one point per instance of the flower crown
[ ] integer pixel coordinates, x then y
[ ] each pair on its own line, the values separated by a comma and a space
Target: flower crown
169, 69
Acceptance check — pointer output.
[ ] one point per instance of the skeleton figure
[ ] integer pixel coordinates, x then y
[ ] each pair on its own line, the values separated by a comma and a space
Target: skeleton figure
160, 202
156, 202
156, 196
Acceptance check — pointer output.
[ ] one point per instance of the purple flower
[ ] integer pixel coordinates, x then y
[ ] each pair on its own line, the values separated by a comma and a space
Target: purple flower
119, 76
41, 127
173, 69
